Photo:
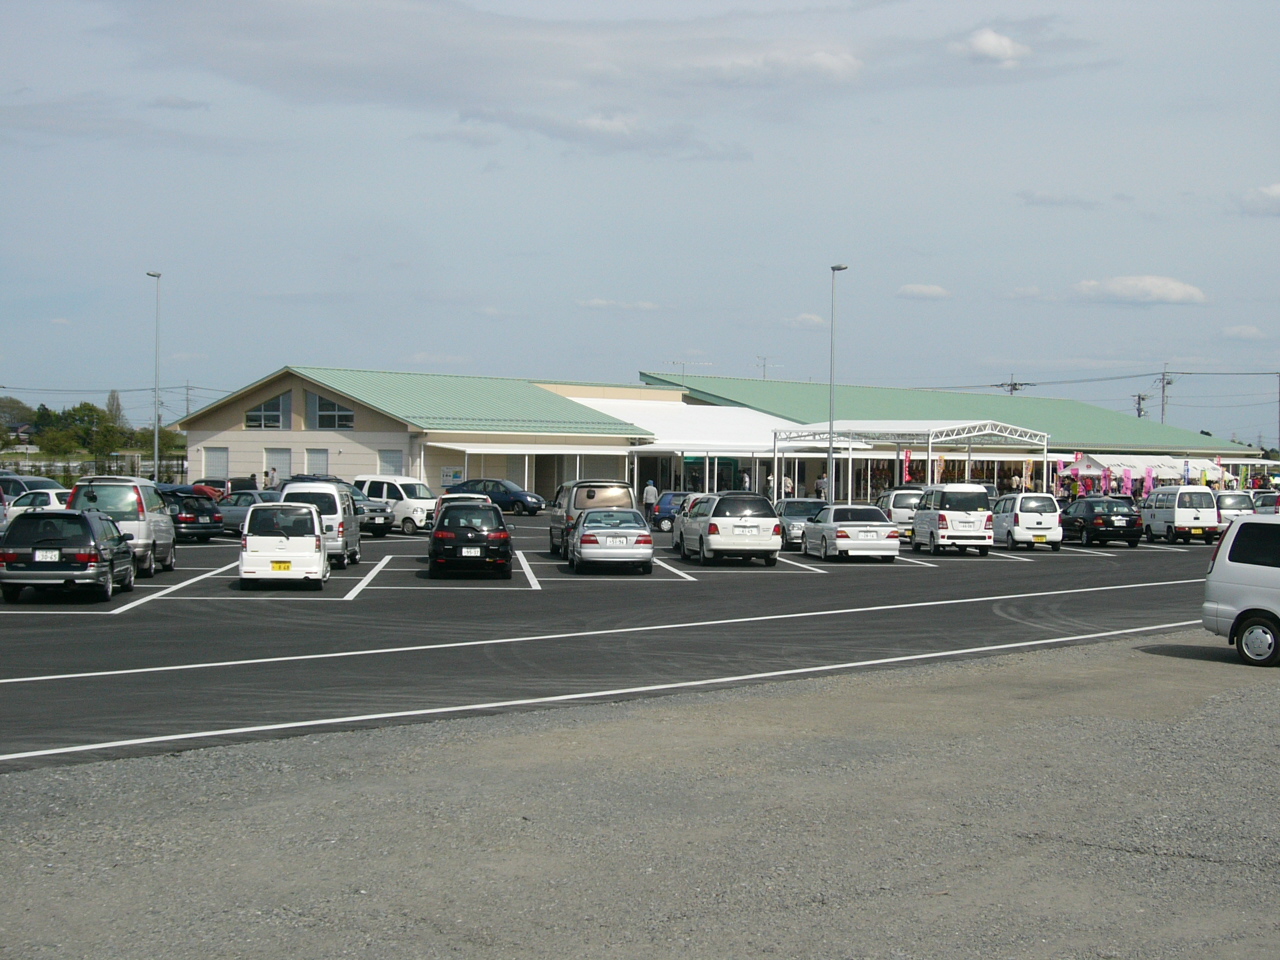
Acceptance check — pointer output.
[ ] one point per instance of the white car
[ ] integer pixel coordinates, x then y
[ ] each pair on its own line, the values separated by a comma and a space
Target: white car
732, 525
1180, 513
1242, 590
1232, 504
1025, 519
842, 531
283, 541
37, 500
611, 536
900, 505
412, 503
953, 515
1264, 501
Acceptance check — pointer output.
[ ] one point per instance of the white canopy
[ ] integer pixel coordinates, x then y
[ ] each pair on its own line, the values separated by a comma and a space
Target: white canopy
695, 429
1162, 468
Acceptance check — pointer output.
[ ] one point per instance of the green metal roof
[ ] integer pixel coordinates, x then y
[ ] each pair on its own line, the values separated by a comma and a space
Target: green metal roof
1071, 424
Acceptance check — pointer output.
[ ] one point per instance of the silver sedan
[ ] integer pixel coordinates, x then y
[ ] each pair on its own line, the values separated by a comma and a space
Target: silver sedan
610, 536
839, 532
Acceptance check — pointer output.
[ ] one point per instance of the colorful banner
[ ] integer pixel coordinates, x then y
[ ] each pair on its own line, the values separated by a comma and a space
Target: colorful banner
1126, 486
906, 465
1147, 484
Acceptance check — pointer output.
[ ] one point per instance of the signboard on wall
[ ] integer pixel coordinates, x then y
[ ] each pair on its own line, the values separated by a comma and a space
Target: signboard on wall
450, 475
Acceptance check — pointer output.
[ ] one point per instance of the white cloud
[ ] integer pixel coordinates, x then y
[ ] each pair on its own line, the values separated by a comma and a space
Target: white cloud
1262, 202
805, 321
1140, 290
923, 291
598, 304
1245, 332
1036, 198
987, 45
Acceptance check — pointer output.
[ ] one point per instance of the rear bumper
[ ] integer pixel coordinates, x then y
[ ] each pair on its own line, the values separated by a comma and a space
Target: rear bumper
590, 554
1050, 535
93, 575
1215, 619
868, 548
744, 546
306, 568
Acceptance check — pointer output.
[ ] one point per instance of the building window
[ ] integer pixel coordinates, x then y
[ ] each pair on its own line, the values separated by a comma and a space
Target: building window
272, 414
391, 462
217, 462
279, 459
326, 414
317, 461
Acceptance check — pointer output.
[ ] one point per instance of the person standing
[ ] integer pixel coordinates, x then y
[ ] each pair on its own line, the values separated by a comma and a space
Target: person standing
650, 498
820, 486
787, 486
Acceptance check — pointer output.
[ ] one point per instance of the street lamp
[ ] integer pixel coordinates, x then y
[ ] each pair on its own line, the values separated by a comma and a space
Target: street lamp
155, 425
831, 393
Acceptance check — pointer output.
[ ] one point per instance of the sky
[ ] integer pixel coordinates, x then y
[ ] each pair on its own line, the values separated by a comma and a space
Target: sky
1042, 192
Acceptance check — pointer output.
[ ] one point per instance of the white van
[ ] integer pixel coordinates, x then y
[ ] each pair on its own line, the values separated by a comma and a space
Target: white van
899, 505
283, 541
1027, 519
341, 523
953, 515
1180, 513
1242, 590
412, 502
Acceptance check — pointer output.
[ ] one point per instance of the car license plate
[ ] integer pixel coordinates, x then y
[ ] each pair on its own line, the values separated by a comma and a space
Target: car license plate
379, 519
746, 531
280, 566
1037, 539
615, 541
866, 535
48, 556
470, 551
1197, 531
205, 520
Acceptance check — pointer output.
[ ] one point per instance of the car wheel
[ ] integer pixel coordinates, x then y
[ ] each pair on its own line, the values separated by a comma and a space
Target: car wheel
171, 563
353, 558
916, 545
1208, 539
822, 551
1150, 534
569, 559
432, 573
1170, 536
126, 585
505, 571
934, 549
982, 551
11, 592
646, 568
665, 524
1256, 641
340, 562
704, 556
1086, 538
408, 527
576, 564
551, 544
804, 546
106, 590
1132, 543
771, 560
147, 566
1055, 547
1009, 543
684, 551
317, 584
518, 509
888, 559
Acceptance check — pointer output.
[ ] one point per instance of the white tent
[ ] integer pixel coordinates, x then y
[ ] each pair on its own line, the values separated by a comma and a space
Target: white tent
1163, 469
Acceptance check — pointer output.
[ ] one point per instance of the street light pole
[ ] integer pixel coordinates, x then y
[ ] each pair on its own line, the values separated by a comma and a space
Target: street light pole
155, 424
831, 394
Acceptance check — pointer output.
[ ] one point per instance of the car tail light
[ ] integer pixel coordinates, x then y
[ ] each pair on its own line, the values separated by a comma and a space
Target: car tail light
1099, 522
589, 538
990, 522
8, 557
1059, 519
319, 544
442, 535
1017, 519
244, 541
90, 557
342, 528
186, 518
892, 535
842, 534
499, 535
142, 507
217, 518
1219, 516
942, 522
644, 540
777, 529
712, 530
1217, 545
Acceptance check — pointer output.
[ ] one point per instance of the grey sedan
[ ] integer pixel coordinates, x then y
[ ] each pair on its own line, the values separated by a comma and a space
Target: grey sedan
236, 507
610, 536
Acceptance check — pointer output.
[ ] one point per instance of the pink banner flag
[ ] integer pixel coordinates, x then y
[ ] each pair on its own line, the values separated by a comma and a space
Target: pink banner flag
1127, 486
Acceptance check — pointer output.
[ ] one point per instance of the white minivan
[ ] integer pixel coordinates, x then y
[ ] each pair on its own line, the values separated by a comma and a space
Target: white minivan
283, 541
953, 515
1242, 590
1180, 513
412, 502
1020, 519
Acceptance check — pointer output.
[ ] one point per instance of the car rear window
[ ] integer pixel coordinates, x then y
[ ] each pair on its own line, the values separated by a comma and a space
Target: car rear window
1113, 508
1265, 499
613, 518
1196, 501
802, 508
289, 521
1255, 543
743, 507
1235, 501
964, 500
858, 515
33, 529
1038, 505
117, 501
585, 497
479, 518
905, 501
326, 503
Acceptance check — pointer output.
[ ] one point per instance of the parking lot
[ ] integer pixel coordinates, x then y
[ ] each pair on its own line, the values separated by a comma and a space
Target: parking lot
190, 659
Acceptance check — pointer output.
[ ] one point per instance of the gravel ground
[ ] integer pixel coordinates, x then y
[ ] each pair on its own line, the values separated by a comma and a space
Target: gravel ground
1111, 800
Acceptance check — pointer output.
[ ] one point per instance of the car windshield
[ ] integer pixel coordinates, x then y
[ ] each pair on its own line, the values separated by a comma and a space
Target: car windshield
613, 518
1038, 505
416, 491
511, 486
907, 500
116, 501
965, 500
281, 521
477, 518
585, 497
326, 503
34, 529
743, 507
858, 515
1235, 501
802, 508
1196, 501
1113, 508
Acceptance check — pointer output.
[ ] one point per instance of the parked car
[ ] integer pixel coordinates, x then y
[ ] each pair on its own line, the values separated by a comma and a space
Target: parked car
1242, 590
457, 498
732, 525
1027, 519
1099, 520
412, 502
794, 514
235, 508
577, 495
1233, 504
507, 494
61, 549
681, 517
38, 500
470, 536
665, 509
1264, 501
136, 506
953, 515
899, 505
376, 516
841, 531
1180, 513
283, 541
15, 484
195, 517
340, 522
611, 537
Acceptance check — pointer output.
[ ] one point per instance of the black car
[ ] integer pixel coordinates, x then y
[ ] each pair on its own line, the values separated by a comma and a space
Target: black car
470, 535
1101, 519
195, 516
506, 494
61, 549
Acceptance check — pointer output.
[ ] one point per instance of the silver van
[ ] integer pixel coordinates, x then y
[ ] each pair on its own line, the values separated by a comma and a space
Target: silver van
578, 495
136, 506
1242, 589
953, 515
337, 513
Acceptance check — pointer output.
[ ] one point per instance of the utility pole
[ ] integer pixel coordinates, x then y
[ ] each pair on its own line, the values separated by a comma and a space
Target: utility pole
1165, 383
1139, 399
1013, 386
764, 366
686, 363
188, 398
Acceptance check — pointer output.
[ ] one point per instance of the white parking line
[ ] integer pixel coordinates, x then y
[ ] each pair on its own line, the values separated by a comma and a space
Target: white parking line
1156, 546
1092, 553
1006, 557
528, 571
368, 578
176, 586
920, 562
666, 566
802, 566
612, 631
596, 694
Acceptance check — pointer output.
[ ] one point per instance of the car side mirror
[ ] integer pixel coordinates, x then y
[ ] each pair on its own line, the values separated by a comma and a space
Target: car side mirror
126, 536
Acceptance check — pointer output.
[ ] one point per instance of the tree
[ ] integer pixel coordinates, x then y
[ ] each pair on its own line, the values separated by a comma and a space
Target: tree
104, 440
115, 411
57, 442
14, 411
171, 442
